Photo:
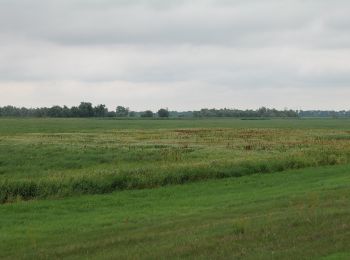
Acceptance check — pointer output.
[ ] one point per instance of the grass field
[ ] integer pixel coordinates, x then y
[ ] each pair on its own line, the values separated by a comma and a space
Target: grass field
299, 214
62, 157
77, 188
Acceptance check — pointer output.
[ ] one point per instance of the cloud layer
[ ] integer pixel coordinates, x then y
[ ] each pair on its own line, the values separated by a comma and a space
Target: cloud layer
179, 54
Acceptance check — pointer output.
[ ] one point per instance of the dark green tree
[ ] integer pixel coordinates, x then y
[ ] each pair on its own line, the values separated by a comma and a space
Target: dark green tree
74, 111
86, 109
163, 112
122, 111
147, 113
132, 114
100, 111
55, 111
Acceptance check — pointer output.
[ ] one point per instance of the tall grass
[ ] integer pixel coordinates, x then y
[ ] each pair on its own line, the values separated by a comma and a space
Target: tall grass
140, 178
53, 162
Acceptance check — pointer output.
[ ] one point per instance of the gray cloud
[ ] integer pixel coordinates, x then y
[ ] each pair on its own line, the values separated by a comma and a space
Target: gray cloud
255, 24
210, 49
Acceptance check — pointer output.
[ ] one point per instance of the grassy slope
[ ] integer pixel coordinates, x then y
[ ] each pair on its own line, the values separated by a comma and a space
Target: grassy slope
292, 215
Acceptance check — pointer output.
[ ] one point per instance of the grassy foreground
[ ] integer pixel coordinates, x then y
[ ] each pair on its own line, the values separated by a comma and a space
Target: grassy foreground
46, 158
299, 214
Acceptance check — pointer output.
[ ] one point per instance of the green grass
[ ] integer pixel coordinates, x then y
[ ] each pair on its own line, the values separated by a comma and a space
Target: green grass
41, 158
56, 125
299, 214
251, 189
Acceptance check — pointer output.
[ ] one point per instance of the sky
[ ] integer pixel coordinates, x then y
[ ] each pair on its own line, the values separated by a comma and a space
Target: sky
177, 54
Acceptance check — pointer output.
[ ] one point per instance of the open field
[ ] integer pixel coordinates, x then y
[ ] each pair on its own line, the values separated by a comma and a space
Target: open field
11, 126
299, 214
42, 158
80, 188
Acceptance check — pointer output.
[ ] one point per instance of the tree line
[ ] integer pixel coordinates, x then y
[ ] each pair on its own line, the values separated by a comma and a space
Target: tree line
86, 109
324, 113
261, 112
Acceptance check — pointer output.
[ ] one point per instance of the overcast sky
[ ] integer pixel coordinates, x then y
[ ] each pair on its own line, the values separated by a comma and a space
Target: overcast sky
177, 54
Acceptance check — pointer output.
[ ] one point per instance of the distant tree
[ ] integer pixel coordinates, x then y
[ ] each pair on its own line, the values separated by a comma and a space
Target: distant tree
263, 111
163, 112
10, 111
132, 114
74, 112
111, 114
66, 112
147, 113
86, 109
122, 111
40, 112
100, 111
55, 111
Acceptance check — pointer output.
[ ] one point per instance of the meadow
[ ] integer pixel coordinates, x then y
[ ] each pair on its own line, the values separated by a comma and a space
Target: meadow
42, 158
182, 188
